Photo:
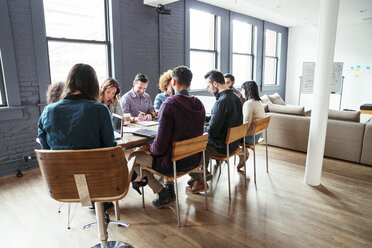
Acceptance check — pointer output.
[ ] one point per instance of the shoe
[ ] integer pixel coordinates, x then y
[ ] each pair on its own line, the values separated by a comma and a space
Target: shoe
106, 206
137, 185
208, 175
240, 165
164, 199
197, 187
170, 188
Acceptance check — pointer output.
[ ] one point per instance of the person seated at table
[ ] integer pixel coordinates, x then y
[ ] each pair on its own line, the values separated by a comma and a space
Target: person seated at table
166, 88
252, 110
109, 95
78, 121
137, 102
226, 113
181, 117
54, 92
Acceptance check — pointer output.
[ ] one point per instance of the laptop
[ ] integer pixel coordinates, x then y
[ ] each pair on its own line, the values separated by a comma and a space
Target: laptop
117, 123
145, 133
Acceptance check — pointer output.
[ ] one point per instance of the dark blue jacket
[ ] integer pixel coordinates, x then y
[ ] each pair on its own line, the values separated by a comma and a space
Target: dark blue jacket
226, 113
75, 123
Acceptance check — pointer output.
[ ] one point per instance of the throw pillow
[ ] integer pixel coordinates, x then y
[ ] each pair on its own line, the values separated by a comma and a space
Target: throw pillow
344, 115
287, 109
265, 99
276, 99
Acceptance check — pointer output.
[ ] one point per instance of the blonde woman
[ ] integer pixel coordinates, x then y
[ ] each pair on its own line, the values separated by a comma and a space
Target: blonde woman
165, 87
109, 95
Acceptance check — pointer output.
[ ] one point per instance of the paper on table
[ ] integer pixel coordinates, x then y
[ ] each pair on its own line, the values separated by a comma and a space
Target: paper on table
130, 129
147, 123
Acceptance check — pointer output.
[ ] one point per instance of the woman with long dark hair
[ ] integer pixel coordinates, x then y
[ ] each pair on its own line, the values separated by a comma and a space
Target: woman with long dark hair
252, 110
109, 95
78, 121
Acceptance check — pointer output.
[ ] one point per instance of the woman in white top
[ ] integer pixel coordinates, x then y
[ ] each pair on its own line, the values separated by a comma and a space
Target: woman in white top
109, 95
252, 110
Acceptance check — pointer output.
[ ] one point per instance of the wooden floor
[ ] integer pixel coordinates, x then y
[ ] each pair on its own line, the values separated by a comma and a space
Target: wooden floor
281, 211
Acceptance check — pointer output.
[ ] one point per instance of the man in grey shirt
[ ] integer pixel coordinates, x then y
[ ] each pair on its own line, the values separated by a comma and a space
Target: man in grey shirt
230, 81
137, 102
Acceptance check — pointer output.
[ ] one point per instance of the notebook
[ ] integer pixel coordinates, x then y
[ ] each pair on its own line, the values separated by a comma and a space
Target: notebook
117, 123
145, 133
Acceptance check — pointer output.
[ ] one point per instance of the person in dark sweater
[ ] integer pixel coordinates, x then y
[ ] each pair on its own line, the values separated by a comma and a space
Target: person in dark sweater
181, 117
226, 113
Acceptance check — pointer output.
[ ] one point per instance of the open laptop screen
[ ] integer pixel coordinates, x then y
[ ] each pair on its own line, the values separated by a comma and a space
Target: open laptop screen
117, 122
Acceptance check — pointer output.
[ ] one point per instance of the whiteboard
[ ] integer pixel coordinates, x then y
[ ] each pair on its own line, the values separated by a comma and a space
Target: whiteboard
307, 79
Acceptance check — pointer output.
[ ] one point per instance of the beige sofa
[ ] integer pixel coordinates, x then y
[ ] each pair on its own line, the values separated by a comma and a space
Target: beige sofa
346, 138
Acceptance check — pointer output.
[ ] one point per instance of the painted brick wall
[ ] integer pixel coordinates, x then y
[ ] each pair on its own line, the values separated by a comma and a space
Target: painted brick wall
17, 137
140, 53
140, 42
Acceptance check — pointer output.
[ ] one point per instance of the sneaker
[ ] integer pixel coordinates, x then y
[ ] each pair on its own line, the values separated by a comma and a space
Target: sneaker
164, 199
197, 187
208, 174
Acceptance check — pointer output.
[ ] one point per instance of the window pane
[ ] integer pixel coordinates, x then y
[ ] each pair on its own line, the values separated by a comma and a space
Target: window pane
63, 55
201, 30
270, 71
242, 68
242, 37
200, 64
75, 19
270, 43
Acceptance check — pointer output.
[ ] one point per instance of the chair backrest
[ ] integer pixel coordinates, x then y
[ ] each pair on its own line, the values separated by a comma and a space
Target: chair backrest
186, 148
261, 124
104, 169
235, 133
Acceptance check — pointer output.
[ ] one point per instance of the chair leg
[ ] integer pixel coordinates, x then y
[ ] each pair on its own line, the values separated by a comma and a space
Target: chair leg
205, 182
245, 162
228, 170
176, 186
254, 160
143, 191
68, 216
102, 231
117, 210
267, 156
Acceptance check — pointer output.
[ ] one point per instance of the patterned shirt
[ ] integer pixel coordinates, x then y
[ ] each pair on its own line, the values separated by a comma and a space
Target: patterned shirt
132, 104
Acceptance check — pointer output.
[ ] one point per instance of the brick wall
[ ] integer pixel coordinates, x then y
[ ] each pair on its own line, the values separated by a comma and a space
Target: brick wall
140, 53
17, 137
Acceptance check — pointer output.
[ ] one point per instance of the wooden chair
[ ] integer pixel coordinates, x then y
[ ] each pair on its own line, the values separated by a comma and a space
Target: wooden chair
87, 176
258, 126
183, 149
233, 134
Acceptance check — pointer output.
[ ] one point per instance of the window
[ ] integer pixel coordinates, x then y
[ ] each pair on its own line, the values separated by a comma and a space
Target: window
203, 51
243, 52
272, 57
77, 33
2, 88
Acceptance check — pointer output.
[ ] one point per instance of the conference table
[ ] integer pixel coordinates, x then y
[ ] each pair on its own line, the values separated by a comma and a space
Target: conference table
130, 140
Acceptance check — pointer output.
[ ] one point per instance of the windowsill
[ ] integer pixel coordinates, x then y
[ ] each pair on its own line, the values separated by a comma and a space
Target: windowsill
11, 113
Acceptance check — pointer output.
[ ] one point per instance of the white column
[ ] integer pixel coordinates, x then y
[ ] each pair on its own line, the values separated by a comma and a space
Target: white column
321, 93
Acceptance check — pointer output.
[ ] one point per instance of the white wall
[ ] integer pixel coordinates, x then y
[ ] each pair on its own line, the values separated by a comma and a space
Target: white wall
353, 47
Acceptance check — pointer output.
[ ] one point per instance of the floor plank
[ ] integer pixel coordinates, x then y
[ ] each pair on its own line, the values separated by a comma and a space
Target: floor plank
280, 211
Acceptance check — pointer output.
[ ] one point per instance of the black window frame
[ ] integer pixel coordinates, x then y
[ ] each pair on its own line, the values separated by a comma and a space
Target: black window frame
276, 57
215, 51
107, 41
253, 53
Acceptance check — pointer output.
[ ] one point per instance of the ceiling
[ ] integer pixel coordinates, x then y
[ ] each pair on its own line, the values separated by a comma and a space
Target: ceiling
297, 12
291, 13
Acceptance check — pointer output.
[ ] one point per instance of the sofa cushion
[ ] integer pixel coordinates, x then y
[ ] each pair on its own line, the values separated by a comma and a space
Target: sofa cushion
265, 99
344, 115
287, 109
276, 99
366, 157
